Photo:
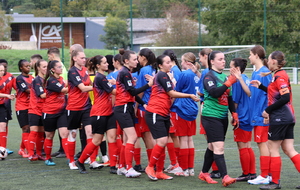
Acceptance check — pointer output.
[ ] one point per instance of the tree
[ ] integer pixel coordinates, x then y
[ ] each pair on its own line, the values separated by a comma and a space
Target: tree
116, 33
178, 30
241, 22
5, 26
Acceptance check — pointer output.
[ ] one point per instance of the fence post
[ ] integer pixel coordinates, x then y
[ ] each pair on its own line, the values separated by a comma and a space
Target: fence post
295, 75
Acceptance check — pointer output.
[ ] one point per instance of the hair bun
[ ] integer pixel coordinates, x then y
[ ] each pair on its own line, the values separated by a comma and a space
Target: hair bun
121, 51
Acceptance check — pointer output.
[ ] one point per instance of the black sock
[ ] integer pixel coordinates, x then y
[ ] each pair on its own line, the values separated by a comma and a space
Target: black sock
103, 148
208, 160
82, 138
61, 150
220, 161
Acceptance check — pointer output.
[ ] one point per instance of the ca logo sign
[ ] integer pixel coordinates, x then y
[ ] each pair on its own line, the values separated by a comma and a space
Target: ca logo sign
51, 32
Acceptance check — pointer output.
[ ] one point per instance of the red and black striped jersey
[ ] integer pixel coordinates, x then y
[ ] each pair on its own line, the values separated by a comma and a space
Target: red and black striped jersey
124, 83
36, 102
22, 84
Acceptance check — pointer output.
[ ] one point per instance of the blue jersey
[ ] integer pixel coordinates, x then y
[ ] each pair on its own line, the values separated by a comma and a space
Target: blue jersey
176, 72
141, 81
240, 97
113, 75
258, 97
135, 75
186, 108
200, 84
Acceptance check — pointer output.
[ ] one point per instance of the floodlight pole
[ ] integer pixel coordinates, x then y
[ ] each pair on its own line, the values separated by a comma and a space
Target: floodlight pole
265, 25
199, 20
131, 35
62, 32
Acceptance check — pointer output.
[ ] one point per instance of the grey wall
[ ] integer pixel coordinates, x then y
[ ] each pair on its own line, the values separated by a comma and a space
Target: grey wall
92, 32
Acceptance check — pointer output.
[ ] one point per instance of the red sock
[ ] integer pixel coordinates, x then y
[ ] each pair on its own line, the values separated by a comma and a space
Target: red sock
177, 149
122, 157
265, 165
87, 152
3, 139
275, 167
252, 166
171, 152
94, 153
64, 142
155, 155
48, 148
191, 158
32, 142
137, 156
245, 160
40, 142
214, 166
161, 161
113, 154
296, 160
25, 140
184, 158
71, 150
149, 151
129, 151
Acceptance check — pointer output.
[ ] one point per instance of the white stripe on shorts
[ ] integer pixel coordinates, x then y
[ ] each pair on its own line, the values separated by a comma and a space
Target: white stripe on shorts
154, 118
125, 108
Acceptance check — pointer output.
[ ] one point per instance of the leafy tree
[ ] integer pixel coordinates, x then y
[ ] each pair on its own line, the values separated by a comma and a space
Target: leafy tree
116, 33
5, 26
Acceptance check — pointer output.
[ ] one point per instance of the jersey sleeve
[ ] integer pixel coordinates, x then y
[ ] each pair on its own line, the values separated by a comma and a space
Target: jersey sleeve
74, 78
103, 82
165, 82
54, 85
21, 84
127, 81
38, 88
236, 92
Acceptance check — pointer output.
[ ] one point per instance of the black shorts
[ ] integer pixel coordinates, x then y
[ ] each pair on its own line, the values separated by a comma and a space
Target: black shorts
35, 120
159, 125
215, 128
8, 109
3, 113
101, 124
281, 132
75, 118
54, 121
125, 115
22, 116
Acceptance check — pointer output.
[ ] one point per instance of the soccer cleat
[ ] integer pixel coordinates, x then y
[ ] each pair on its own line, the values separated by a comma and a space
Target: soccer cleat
215, 174
252, 176
138, 168
184, 173
260, 180
41, 158
106, 163
81, 167
206, 177
54, 154
23, 153
77, 155
151, 173
50, 162
105, 159
113, 170
121, 171
73, 166
191, 172
228, 180
61, 155
132, 173
33, 158
96, 165
175, 170
9, 151
271, 185
243, 177
161, 175
87, 161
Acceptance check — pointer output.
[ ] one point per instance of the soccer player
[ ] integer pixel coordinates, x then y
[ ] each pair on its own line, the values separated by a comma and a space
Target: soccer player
33, 59
280, 116
54, 109
103, 120
242, 135
187, 111
157, 116
259, 99
124, 111
217, 101
79, 105
22, 86
37, 97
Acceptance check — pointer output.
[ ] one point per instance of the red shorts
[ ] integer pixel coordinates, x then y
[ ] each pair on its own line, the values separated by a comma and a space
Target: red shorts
185, 128
143, 127
261, 133
137, 130
202, 130
241, 135
119, 130
174, 118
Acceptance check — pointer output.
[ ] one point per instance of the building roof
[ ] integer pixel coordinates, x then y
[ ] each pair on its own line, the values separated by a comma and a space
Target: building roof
29, 18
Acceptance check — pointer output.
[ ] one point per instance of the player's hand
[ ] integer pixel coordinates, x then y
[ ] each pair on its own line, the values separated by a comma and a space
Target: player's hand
194, 97
255, 83
112, 81
149, 78
266, 117
235, 120
231, 79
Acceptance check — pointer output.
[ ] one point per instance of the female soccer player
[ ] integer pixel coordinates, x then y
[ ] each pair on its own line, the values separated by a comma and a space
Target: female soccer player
37, 97
187, 111
280, 116
157, 116
54, 109
259, 99
124, 112
79, 105
217, 101
3, 109
103, 120
22, 86
242, 135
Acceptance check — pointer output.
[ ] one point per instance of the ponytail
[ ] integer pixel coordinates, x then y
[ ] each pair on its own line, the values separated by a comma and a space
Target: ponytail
49, 72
